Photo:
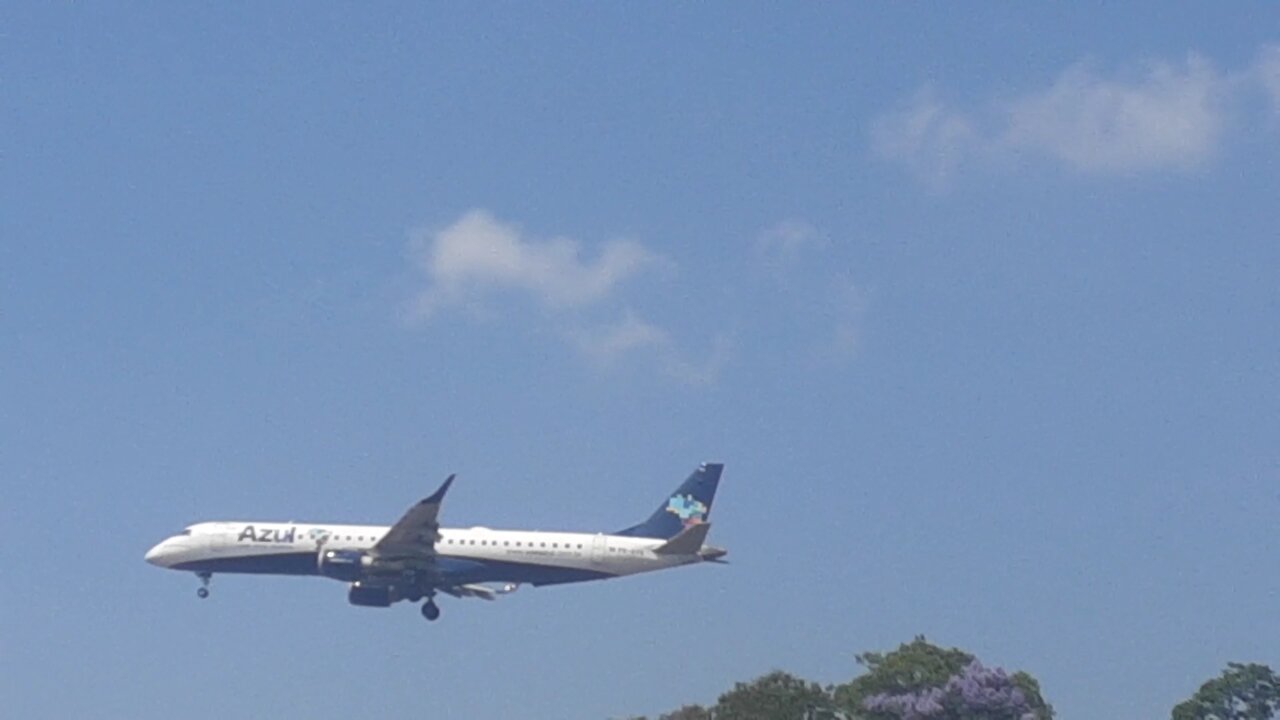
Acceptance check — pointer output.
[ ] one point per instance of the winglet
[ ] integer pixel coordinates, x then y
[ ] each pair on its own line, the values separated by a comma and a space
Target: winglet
438, 495
687, 542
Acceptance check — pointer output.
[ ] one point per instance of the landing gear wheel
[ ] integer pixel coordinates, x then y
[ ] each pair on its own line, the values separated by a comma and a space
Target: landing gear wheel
202, 593
430, 610
205, 577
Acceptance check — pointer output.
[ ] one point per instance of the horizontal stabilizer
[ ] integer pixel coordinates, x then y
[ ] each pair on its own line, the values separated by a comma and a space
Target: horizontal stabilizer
687, 542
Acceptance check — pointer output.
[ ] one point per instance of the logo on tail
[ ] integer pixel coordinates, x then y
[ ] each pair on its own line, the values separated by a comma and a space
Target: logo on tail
688, 509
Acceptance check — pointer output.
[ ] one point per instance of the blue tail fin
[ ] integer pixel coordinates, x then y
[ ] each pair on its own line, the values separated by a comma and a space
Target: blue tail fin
690, 504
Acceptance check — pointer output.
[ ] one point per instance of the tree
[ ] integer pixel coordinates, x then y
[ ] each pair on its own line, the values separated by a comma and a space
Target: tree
776, 696
1244, 692
918, 681
976, 693
915, 666
921, 681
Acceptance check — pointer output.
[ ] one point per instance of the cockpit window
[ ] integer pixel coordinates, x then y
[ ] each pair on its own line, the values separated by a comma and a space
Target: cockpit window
185, 532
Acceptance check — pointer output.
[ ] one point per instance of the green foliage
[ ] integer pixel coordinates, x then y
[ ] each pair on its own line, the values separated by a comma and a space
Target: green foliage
1243, 692
912, 667
776, 696
1030, 687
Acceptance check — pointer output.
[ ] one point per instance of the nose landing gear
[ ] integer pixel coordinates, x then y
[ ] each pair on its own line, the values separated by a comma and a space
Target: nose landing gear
205, 577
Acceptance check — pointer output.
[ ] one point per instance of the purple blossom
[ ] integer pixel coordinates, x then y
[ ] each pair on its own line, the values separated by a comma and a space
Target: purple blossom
909, 706
977, 691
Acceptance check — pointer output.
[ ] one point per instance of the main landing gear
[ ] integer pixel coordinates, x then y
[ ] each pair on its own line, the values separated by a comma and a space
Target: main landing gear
430, 610
205, 577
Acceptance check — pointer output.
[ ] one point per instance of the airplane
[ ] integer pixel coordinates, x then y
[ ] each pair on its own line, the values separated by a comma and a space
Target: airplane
416, 558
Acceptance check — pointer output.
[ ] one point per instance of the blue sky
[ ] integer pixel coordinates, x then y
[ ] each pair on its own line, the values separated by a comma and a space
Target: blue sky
977, 304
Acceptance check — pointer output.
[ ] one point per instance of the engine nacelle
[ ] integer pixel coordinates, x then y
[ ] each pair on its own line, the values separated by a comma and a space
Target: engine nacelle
372, 596
345, 565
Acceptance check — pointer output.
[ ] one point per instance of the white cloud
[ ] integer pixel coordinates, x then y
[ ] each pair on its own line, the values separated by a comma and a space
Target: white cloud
845, 304
478, 254
1267, 71
1160, 116
704, 370
609, 344
592, 300
831, 303
1172, 117
784, 241
928, 137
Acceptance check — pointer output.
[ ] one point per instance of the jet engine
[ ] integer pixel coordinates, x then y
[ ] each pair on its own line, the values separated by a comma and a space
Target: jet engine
372, 596
345, 565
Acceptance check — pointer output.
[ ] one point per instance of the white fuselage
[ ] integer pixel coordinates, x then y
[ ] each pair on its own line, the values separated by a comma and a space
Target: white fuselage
508, 555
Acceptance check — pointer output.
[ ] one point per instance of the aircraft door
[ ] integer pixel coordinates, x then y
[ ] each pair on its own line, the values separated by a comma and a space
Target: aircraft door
220, 541
598, 548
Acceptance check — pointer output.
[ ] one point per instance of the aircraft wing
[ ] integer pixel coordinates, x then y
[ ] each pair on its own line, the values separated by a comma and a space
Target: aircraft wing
415, 534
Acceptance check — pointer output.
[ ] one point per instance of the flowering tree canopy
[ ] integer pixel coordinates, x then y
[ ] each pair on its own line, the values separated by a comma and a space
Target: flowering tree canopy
976, 693
921, 681
918, 681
